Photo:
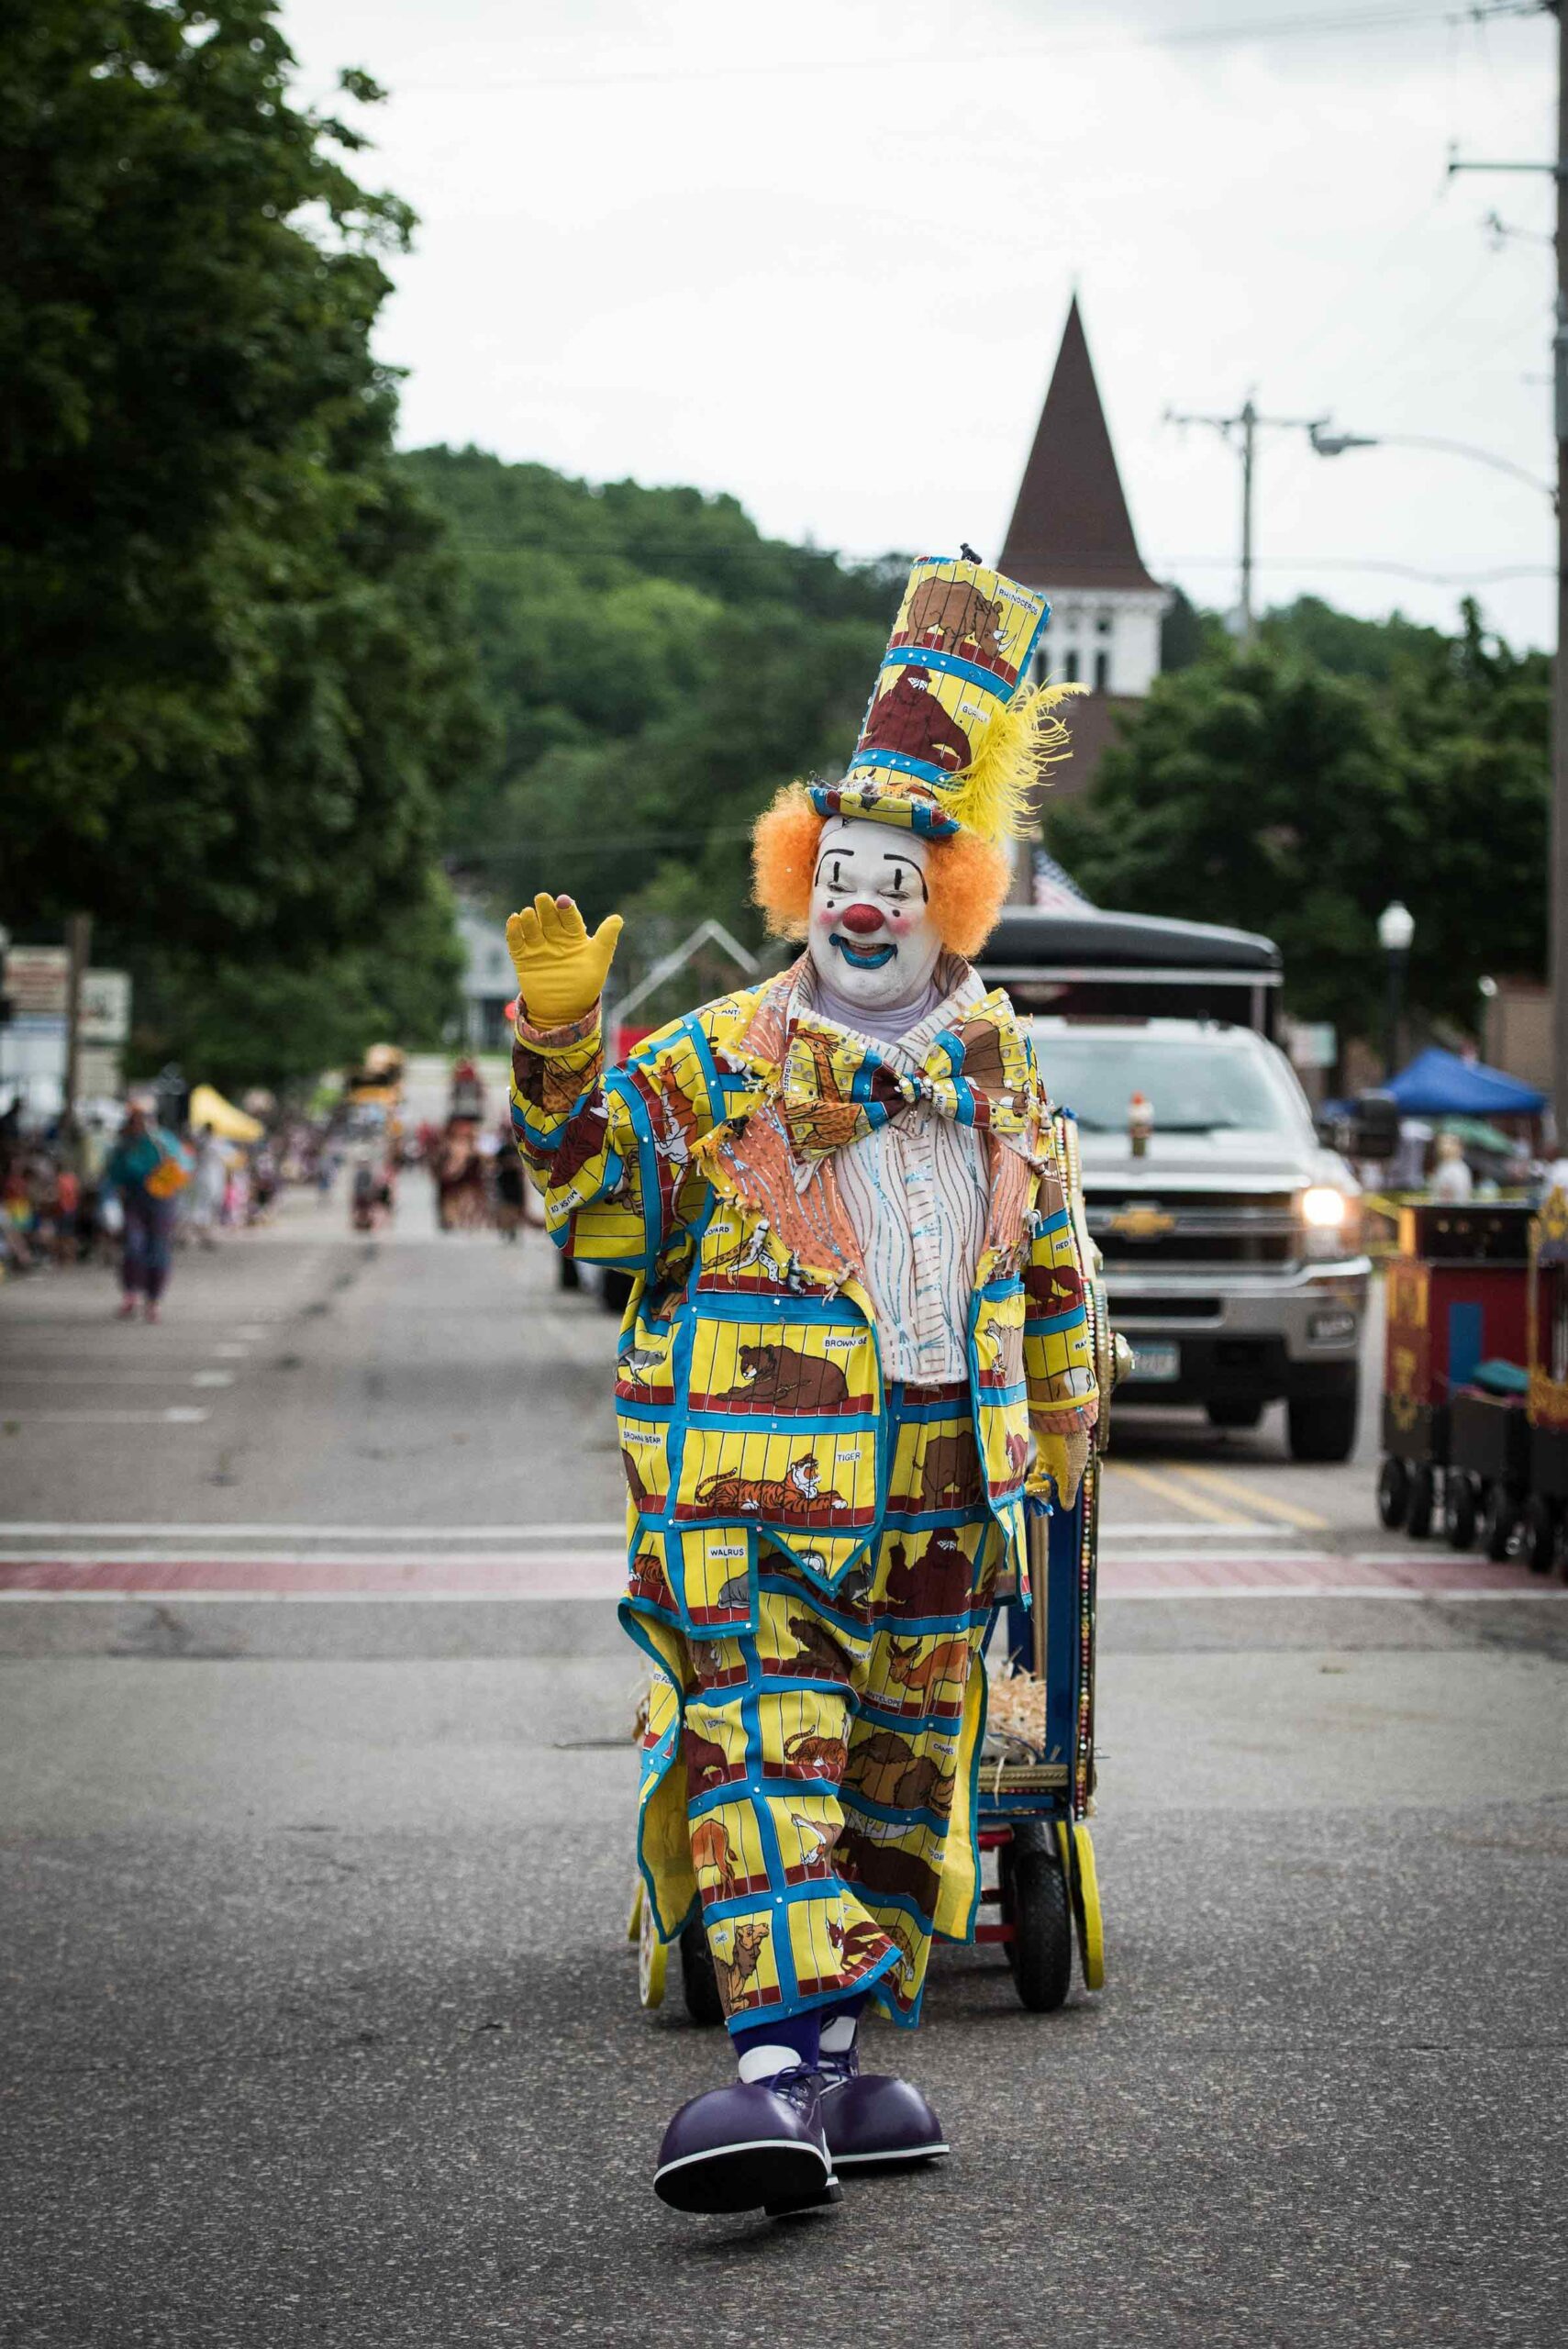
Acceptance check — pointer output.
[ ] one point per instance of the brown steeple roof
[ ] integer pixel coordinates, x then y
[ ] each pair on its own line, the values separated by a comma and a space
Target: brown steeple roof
1071, 527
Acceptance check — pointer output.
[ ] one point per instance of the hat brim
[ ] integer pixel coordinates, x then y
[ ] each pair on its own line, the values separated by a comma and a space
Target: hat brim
862, 800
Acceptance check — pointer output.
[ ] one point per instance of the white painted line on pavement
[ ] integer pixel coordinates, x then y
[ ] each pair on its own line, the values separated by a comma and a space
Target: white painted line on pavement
393, 1536
10, 1376
172, 1553
177, 1415
546, 1598
1186, 1528
230, 1353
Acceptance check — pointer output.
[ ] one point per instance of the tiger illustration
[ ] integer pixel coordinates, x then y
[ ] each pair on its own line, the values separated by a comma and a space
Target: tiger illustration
728, 1493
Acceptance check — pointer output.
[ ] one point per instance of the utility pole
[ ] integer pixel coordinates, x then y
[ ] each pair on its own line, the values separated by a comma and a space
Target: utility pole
1557, 896
1240, 432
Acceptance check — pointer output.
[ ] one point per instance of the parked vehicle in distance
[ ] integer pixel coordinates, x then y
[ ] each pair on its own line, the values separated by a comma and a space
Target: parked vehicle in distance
1230, 1236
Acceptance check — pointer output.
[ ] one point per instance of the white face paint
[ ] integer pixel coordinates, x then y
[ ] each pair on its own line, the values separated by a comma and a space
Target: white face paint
871, 939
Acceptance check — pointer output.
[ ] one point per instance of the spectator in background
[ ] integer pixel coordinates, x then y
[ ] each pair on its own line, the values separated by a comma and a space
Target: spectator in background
147, 1171
1453, 1183
210, 1180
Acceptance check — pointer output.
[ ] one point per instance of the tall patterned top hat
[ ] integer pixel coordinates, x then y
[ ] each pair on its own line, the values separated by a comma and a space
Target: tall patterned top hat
954, 737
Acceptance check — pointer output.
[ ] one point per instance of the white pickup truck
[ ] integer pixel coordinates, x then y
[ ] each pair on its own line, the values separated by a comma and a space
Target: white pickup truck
1230, 1236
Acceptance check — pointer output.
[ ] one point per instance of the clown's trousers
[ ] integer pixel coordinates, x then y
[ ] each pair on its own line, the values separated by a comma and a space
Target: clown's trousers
830, 1753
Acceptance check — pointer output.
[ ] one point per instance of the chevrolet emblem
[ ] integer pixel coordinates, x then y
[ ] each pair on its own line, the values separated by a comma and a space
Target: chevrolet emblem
1143, 1223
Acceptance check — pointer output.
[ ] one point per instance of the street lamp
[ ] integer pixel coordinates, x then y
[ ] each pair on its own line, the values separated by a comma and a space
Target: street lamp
1396, 928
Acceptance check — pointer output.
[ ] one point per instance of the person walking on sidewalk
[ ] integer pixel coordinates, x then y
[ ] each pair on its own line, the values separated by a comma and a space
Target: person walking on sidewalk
147, 1171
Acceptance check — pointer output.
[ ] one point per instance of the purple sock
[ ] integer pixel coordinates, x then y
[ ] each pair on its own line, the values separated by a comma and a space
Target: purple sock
797, 2033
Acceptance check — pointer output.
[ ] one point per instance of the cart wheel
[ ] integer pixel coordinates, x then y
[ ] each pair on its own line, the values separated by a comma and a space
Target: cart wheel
1083, 1886
1539, 1534
652, 1954
1502, 1514
1423, 1493
1459, 1509
699, 1983
1035, 1903
1393, 1493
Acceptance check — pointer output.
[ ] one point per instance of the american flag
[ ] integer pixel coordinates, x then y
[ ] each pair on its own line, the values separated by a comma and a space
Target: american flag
1054, 891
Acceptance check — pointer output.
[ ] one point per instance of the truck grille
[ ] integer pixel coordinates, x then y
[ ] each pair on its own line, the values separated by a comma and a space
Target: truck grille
1195, 1227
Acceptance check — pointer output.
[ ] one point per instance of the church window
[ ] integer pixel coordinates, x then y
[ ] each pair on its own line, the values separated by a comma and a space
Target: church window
1072, 665
1103, 624
1102, 672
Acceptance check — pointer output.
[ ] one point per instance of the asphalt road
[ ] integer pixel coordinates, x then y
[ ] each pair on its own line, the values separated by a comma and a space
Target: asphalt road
321, 2024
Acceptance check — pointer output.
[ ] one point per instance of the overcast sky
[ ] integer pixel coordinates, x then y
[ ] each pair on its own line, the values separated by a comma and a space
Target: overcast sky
819, 257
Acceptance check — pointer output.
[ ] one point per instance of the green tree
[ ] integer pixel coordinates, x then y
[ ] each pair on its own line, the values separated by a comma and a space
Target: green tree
657, 669
1264, 789
239, 678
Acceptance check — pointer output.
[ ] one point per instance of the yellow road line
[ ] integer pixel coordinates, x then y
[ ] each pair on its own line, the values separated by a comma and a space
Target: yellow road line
1233, 1487
1162, 1482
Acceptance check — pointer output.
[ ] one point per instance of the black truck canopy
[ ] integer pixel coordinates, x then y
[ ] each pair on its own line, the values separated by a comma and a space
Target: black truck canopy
1094, 965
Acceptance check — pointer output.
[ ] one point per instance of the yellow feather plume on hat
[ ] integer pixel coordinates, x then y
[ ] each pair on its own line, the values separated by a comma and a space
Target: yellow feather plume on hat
995, 794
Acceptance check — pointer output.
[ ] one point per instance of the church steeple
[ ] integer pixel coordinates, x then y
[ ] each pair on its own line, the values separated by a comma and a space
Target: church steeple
1071, 528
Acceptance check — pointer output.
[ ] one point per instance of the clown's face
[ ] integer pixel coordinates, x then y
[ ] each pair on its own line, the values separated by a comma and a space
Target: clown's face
871, 938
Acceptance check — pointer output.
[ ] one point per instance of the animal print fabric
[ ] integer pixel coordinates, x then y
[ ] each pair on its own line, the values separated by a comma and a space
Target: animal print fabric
828, 1754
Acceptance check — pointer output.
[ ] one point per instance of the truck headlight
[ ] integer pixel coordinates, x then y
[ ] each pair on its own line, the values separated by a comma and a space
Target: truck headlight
1329, 1219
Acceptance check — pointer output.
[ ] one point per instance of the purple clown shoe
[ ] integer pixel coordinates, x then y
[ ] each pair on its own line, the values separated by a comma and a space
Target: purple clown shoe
874, 2118
755, 2146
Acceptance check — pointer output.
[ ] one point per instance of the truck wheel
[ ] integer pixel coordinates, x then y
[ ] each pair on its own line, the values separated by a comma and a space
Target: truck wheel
1234, 1415
699, 1983
1501, 1516
1423, 1493
1323, 1427
1539, 1534
1393, 1493
1035, 1903
1459, 1509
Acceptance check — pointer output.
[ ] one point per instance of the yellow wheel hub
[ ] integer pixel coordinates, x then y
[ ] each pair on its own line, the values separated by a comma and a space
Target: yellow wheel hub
1077, 1851
652, 1954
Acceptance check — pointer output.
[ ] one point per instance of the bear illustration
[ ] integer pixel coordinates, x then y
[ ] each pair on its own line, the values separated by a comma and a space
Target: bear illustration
949, 614
781, 1378
708, 1765
888, 1869
950, 1472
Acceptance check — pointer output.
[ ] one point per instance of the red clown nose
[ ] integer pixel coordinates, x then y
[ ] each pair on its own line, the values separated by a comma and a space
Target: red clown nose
864, 918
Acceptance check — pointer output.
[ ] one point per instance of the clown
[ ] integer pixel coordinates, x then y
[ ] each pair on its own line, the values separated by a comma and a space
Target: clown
857, 1339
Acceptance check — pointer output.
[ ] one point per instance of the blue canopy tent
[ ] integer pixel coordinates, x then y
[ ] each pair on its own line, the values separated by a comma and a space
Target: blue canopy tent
1440, 1085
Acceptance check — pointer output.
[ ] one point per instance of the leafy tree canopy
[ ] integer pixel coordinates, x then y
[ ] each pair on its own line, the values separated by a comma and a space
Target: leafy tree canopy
239, 681
1294, 788
657, 669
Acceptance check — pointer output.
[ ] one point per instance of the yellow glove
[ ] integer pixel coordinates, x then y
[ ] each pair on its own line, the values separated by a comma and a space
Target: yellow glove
561, 970
1063, 1459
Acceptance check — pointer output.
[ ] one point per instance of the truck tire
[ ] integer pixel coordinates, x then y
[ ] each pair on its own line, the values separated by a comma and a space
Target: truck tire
1234, 1414
1323, 1427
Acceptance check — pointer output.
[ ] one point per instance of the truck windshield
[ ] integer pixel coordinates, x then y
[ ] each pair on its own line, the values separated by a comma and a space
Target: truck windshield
1196, 1085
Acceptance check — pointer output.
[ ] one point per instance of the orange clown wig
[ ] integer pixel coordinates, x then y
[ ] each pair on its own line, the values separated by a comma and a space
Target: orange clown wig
968, 878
